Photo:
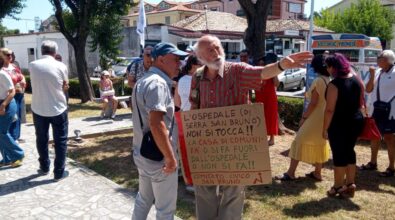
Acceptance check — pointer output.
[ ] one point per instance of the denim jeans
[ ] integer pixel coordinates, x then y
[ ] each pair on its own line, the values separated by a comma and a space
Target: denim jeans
60, 126
159, 189
8, 147
15, 129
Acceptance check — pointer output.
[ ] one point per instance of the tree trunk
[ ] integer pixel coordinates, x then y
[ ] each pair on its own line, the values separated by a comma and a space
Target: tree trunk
254, 37
86, 91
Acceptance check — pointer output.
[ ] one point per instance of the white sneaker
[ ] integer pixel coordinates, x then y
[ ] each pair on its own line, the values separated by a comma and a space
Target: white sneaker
102, 115
113, 116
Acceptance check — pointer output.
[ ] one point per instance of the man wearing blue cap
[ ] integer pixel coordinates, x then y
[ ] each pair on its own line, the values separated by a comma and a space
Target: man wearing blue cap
154, 111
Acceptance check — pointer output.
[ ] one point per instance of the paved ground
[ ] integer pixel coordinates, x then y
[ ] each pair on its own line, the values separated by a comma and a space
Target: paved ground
83, 195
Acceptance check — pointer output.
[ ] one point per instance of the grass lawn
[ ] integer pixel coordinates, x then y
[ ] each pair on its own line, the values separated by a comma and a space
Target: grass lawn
76, 108
375, 197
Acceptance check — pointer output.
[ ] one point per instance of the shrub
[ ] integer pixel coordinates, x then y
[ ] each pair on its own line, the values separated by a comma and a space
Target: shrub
74, 90
290, 110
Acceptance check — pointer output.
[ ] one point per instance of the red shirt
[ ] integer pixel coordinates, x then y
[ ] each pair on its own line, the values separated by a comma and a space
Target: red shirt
231, 89
14, 72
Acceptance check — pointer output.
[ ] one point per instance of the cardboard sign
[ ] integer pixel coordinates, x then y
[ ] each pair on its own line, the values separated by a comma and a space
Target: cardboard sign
224, 146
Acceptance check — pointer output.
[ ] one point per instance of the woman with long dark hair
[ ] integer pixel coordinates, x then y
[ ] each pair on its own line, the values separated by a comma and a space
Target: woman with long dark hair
309, 146
343, 122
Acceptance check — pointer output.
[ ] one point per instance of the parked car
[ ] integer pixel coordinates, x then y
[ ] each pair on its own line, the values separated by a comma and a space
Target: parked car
292, 78
118, 66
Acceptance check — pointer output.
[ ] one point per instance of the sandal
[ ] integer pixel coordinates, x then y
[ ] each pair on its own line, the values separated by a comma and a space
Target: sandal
388, 173
313, 176
349, 192
368, 166
334, 191
284, 177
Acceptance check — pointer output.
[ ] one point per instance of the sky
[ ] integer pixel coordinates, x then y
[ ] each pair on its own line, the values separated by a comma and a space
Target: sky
43, 9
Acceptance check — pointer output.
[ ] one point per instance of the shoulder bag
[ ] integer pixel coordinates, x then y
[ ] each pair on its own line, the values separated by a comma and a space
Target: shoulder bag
149, 149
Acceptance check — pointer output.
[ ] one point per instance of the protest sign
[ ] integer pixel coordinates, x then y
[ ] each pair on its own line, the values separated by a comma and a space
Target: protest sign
224, 146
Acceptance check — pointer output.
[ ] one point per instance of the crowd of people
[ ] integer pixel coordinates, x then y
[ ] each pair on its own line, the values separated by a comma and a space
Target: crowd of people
49, 82
331, 122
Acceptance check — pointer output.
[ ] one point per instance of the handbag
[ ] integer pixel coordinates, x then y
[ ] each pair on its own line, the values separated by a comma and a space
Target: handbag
149, 149
370, 130
110, 92
381, 110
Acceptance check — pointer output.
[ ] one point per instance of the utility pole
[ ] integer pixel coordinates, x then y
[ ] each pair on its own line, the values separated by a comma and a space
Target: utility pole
310, 38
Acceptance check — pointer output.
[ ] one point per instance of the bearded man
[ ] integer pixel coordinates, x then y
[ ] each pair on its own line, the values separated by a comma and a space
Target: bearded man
218, 84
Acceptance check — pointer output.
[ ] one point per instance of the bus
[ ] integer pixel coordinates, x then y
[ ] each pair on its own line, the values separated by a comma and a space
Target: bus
359, 49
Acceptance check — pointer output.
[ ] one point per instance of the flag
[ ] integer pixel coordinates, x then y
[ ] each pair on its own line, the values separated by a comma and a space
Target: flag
141, 23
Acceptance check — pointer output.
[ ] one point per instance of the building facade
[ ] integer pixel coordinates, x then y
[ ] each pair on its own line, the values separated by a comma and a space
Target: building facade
281, 9
165, 12
27, 48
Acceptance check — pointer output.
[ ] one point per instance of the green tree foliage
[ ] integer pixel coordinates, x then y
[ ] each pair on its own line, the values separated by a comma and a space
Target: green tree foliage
106, 37
10, 7
77, 19
5, 32
367, 17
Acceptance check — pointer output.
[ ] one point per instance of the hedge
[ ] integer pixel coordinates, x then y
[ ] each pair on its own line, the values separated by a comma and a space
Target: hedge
290, 110
74, 90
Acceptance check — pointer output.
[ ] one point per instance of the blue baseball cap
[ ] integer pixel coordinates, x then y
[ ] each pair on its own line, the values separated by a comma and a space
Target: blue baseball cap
162, 49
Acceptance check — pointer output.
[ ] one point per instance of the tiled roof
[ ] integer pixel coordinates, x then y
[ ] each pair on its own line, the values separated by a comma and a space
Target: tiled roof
280, 25
221, 21
179, 7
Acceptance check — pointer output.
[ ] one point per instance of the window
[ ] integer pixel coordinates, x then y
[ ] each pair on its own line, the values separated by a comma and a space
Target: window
352, 55
167, 20
295, 8
371, 56
31, 51
214, 9
286, 45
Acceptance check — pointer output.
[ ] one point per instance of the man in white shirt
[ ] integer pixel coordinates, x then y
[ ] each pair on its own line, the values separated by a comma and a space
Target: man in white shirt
49, 81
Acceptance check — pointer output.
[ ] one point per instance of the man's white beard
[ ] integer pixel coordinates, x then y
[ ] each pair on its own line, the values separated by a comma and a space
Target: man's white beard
217, 65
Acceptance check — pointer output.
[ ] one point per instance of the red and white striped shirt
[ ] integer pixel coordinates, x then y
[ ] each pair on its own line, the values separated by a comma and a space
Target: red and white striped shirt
231, 89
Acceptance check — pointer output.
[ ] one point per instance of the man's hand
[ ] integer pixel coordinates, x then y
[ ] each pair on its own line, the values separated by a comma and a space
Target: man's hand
296, 60
170, 165
372, 71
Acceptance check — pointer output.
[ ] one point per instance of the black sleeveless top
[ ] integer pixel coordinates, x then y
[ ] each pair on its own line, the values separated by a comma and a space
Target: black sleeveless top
348, 101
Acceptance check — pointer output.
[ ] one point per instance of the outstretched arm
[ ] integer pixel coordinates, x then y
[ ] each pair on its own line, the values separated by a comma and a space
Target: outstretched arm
296, 60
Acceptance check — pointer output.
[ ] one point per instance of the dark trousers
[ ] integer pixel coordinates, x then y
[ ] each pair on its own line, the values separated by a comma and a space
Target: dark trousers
60, 126
15, 129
